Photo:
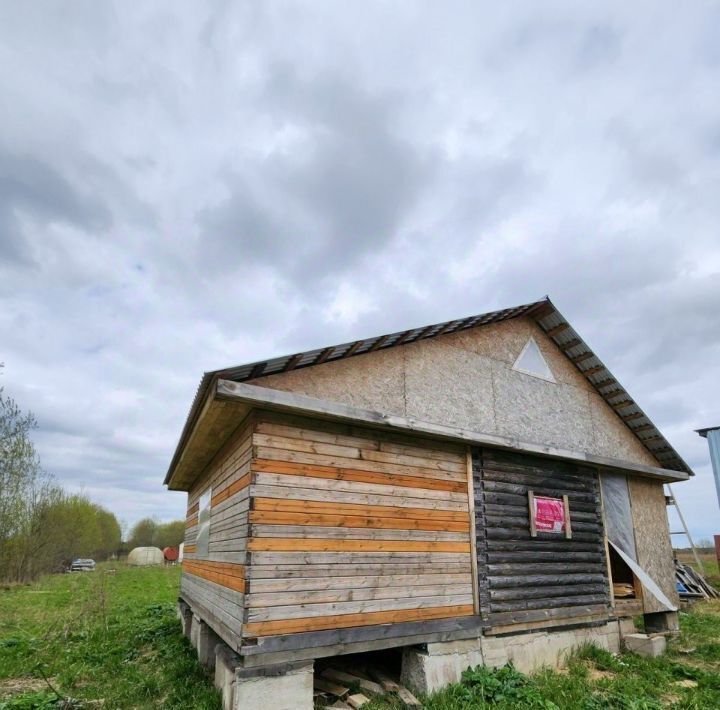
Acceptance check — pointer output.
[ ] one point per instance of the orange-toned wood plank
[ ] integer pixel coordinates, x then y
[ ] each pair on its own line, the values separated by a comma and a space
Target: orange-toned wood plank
232, 489
265, 517
232, 569
191, 522
372, 511
193, 509
225, 574
234, 583
189, 549
343, 621
347, 474
280, 544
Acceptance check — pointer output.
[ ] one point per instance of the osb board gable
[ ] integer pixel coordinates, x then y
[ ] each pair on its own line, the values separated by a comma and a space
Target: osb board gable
652, 538
372, 381
466, 379
611, 434
504, 342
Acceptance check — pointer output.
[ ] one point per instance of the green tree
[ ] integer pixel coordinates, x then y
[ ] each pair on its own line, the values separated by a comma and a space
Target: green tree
143, 533
24, 490
42, 528
170, 534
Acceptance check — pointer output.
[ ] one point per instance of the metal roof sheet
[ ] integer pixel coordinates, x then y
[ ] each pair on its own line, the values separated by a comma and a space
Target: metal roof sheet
544, 313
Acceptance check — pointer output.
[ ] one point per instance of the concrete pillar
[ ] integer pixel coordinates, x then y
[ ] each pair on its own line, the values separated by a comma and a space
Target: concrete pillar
435, 665
277, 688
185, 615
662, 622
195, 622
626, 626
225, 664
281, 687
207, 640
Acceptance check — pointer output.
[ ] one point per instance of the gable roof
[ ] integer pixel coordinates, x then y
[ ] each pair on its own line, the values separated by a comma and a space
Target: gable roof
545, 314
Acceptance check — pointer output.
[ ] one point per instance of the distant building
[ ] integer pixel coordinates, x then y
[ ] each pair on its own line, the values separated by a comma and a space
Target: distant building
484, 480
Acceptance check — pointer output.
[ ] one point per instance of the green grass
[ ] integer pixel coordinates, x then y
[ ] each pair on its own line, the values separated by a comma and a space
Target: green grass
102, 636
686, 678
112, 640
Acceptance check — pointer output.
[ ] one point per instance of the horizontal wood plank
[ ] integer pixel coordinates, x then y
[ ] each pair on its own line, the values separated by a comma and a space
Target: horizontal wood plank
290, 626
345, 545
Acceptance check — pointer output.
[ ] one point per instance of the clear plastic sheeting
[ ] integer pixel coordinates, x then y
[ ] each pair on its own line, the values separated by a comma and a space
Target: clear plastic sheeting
531, 362
618, 516
203, 534
646, 580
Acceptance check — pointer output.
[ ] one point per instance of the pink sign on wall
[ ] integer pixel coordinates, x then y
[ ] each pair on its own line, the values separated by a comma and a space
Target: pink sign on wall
549, 514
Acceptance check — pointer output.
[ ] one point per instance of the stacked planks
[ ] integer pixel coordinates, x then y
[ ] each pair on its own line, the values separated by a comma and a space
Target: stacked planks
353, 527
545, 579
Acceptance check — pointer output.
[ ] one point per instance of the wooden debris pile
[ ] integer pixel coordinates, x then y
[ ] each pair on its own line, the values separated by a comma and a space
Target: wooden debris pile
691, 585
343, 688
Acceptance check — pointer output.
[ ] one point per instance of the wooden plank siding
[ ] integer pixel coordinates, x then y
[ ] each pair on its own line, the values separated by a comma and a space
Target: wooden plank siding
214, 586
349, 527
547, 578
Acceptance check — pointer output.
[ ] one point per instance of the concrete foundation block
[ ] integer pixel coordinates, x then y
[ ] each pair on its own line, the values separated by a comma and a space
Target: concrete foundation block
283, 687
626, 626
645, 645
207, 640
185, 615
290, 689
195, 622
225, 664
440, 665
664, 622
529, 652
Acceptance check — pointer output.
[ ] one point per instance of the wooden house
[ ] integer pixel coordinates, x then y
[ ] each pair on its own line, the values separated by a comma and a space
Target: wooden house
475, 491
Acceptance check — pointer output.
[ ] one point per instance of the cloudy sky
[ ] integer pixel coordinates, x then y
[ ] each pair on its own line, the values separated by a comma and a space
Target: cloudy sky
187, 186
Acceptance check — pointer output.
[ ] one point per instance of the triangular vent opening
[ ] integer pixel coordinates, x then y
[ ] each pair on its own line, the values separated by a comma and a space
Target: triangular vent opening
531, 362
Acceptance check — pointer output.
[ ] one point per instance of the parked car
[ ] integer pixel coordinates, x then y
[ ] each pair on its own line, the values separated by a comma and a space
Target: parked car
82, 566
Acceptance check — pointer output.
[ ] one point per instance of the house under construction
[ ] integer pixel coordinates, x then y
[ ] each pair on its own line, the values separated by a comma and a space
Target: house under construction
476, 491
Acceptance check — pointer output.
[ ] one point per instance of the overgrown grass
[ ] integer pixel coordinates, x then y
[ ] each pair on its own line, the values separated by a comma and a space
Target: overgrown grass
111, 639
103, 638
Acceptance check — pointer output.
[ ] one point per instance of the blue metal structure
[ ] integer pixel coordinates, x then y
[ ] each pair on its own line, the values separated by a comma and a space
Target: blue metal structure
712, 434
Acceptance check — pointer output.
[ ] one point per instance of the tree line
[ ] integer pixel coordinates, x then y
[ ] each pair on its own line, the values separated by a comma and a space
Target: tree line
42, 526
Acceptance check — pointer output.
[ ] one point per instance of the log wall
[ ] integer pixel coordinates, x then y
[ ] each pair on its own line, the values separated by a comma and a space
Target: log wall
524, 579
350, 527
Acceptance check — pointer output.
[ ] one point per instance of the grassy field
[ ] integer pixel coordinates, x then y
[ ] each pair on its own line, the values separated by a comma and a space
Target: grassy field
111, 640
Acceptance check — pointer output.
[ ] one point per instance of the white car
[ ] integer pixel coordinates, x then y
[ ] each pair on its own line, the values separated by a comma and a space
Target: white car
82, 566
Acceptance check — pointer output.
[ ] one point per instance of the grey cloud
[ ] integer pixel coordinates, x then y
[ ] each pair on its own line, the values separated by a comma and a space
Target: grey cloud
598, 45
32, 190
341, 192
289, 179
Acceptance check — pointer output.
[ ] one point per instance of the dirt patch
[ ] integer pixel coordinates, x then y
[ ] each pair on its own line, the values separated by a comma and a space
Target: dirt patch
596, 674
15, 686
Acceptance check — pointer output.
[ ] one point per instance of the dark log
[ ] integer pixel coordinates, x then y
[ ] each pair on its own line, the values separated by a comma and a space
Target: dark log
547, 592
544, 545
551, 603
509, 570
532, 557
520, 617
549, 580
